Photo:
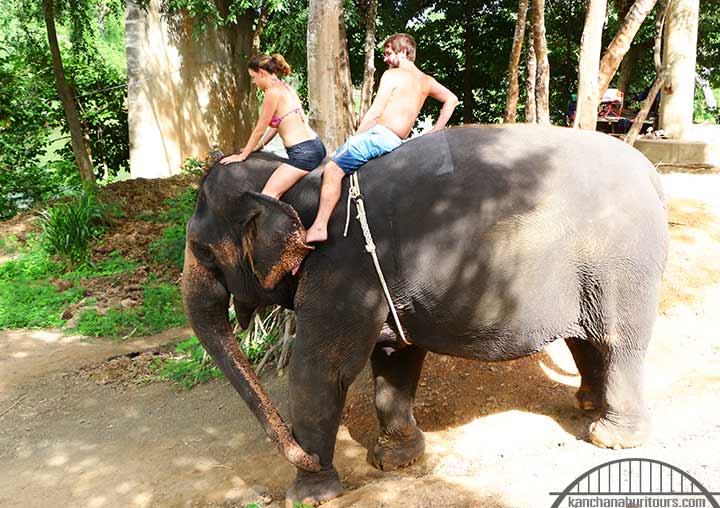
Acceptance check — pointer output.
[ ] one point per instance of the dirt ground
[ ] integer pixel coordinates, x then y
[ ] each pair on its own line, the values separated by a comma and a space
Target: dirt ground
78, 431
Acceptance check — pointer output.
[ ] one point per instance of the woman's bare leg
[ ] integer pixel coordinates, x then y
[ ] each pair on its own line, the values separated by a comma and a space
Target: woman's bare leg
284, 177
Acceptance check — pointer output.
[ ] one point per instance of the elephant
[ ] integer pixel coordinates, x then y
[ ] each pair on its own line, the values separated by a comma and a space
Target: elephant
494, 241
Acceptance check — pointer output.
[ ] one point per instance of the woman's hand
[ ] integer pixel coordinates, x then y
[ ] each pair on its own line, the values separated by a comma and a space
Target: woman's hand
235, 158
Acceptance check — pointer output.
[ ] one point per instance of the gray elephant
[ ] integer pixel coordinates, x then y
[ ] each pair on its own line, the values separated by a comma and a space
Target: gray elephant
494, 240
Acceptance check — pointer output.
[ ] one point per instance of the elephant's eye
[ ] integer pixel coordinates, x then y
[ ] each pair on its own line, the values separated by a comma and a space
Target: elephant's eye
203, 253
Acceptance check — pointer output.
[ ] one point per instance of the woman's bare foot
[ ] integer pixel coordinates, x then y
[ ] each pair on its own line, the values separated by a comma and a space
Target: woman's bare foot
316, 234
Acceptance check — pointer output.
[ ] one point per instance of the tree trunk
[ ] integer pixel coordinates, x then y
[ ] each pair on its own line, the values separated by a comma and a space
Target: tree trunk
662, 74
531, 64
513, 85
240, 36
79, 148
586, 111
369, 75
542, 80
468, 73
621, 42
259, 27
329, 87
645, 108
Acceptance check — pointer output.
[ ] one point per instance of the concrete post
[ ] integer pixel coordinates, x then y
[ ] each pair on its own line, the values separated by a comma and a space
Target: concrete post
676, 105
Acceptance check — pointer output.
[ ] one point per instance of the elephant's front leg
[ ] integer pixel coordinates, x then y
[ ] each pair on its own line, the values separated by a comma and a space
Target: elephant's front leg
396, 373
326, 359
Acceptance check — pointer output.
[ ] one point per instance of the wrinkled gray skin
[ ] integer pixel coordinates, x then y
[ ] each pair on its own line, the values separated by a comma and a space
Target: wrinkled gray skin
495, 241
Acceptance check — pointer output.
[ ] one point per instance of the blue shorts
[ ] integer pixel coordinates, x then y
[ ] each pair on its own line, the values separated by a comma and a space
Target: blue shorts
306, 155
365, 146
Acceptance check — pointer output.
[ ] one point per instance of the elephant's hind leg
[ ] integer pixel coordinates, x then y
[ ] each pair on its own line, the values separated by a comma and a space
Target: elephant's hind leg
625, 422
590, 364
396, 374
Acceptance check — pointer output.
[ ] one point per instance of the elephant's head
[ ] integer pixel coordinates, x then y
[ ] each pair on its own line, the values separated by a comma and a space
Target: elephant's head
242, 243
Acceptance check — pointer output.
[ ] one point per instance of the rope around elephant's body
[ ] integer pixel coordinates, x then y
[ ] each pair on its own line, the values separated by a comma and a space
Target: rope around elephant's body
355, 195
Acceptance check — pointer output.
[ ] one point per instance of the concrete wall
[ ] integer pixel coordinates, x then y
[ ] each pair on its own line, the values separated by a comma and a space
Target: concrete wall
185, 94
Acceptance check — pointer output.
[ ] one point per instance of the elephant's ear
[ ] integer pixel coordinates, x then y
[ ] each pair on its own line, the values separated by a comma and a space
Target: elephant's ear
273, 238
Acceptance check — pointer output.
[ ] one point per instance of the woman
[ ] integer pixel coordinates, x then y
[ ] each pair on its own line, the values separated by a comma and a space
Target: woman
282, 112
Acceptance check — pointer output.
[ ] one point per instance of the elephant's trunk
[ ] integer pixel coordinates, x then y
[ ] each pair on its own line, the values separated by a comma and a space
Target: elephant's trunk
206, 305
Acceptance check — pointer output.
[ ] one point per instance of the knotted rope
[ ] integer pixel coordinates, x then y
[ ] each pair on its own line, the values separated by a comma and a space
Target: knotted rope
355, 195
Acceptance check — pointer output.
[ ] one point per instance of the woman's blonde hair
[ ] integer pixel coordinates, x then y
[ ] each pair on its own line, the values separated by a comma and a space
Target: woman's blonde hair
274, 64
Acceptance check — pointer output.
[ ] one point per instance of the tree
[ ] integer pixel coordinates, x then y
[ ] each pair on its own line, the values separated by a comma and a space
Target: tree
662, 72
330, 95
542, 80
513, 86
369, 74
467, 74
79, 147
620, 44
590, 47
530, 83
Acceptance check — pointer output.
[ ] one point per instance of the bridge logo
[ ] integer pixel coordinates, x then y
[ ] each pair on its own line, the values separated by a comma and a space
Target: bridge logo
635, 483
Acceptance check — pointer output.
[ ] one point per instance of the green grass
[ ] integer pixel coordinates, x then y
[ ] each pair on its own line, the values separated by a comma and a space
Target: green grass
170, 248
9, 244
190, 367
114, 265
27, 299
161, 309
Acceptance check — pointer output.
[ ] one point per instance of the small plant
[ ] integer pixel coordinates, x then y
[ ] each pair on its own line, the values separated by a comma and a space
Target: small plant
69, 227
191, 365
192, 166
9, 244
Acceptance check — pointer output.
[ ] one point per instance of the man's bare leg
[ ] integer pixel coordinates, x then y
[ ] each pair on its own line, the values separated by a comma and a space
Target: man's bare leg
329, 196
284, 177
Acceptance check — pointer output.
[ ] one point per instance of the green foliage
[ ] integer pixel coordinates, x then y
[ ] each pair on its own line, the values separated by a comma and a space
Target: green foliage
114, 265
27, 299
191, 365
69, 227
192, 166
36, 163
161, 309
171, 247
9, 244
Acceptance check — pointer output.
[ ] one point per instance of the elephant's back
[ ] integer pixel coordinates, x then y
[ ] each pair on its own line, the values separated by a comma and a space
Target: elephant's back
479, 225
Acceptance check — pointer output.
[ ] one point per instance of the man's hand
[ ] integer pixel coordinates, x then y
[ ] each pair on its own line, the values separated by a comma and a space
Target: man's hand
235, 158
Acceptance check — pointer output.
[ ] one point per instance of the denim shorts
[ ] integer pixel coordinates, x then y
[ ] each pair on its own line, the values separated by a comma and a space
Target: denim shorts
365, 146
306, 155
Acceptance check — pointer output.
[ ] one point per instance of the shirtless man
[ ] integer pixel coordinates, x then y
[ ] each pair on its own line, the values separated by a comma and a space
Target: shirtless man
401, 94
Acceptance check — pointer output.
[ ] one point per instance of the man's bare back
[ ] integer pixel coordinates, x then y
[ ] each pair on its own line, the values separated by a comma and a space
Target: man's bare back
410, 88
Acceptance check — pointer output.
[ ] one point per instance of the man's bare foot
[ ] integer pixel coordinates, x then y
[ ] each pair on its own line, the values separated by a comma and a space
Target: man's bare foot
316, 234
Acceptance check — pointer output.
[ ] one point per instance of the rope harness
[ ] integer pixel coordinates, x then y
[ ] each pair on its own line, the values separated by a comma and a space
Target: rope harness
355, 195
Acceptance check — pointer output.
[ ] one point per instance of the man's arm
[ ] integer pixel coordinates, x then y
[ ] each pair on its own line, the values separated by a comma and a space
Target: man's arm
385, 90
449, 100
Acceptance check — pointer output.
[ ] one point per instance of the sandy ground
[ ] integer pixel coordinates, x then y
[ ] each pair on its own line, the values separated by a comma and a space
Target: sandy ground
500, 435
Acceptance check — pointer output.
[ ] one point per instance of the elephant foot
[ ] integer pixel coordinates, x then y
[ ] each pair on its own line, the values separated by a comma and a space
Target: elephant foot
396, 451
606, 434
587, 399
314, 489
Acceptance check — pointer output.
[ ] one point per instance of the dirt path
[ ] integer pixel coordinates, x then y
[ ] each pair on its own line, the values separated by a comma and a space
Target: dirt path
500, 435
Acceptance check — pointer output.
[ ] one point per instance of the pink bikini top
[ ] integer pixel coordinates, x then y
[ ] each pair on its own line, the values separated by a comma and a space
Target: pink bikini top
275, 121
